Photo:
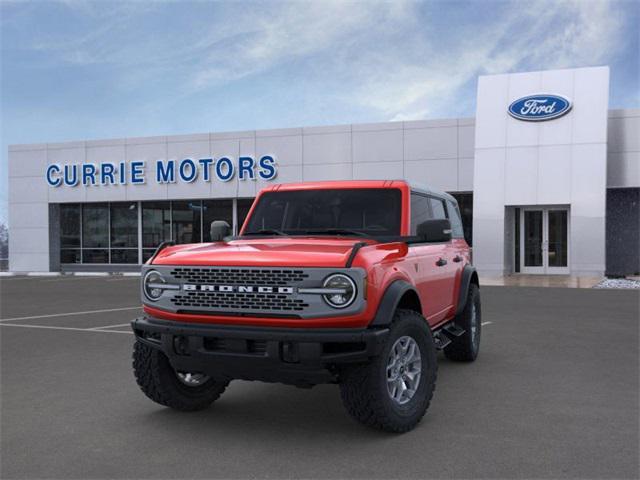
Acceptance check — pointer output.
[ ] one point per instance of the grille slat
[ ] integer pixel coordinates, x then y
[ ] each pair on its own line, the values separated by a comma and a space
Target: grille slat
239, 301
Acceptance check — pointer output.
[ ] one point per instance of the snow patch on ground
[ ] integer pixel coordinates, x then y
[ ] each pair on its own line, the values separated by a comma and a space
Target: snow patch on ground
618, 283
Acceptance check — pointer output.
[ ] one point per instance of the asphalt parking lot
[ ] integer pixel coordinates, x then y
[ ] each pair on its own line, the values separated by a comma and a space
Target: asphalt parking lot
554, 394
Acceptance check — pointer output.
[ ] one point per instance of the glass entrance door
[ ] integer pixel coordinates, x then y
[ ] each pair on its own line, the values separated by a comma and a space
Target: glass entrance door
544, 240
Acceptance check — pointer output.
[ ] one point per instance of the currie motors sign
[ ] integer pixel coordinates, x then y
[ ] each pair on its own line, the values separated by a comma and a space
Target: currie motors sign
540, 107
188, 170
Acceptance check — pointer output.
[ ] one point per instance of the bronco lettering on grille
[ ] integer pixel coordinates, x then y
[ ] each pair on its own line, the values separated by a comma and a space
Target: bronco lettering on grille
187, 287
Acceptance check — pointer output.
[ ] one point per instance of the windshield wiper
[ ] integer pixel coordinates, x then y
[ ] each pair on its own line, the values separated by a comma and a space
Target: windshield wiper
266, 231
336, 231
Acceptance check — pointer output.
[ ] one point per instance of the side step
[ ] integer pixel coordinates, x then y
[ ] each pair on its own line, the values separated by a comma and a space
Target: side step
453, 329
446, 334
441, 340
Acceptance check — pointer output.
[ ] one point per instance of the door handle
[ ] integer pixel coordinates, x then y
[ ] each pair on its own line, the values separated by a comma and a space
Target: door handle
457, 259
441, 262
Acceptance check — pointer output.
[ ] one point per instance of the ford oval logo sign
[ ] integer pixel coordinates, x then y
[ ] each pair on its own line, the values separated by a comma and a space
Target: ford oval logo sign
536, 108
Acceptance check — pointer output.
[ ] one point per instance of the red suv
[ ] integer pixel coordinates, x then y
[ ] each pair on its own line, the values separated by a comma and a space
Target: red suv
358, 283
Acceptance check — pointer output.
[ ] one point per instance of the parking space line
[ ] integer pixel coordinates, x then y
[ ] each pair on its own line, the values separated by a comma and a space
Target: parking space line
110, 326
50, 327
69, 314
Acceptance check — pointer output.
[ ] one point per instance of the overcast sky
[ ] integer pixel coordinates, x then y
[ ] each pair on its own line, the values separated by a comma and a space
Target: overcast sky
76, 70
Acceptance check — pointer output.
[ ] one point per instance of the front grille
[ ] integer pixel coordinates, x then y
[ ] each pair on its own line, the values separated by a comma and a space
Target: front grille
239, 302
266, 302
235, 276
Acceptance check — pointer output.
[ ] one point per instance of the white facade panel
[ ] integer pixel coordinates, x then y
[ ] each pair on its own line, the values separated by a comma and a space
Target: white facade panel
465, 174
623, 169
378, 170
554, 175
624, 134
440, 174
431, 143
466, 141
149, 153
521, 176
29, 240
326, 148
491, 131
194, 150
377, 146
27, 163
336, 171
287, 149
28, 262
29, 215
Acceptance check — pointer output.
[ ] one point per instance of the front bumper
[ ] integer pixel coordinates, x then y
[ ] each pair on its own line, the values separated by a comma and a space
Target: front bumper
288, 355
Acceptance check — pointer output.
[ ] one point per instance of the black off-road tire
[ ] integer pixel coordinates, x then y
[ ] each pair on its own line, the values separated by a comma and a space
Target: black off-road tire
363, 387
158, 381
466, 347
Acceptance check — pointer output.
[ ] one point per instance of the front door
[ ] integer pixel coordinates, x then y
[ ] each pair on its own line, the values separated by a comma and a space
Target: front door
544, 240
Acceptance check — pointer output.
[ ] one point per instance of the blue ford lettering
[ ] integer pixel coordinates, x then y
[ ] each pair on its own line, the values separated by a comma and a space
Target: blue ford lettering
536, 108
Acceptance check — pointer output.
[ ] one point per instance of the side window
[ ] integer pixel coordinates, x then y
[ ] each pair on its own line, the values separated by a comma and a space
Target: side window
437, 206
419, 211
454, 218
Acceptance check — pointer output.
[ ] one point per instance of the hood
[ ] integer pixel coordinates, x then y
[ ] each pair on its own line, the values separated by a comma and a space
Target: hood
276, 252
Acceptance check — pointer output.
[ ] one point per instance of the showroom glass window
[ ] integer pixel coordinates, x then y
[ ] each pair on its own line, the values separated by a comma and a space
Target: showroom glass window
215, 210
95, 233
186, 221
244, 205
124, 232
70, 233
156, 226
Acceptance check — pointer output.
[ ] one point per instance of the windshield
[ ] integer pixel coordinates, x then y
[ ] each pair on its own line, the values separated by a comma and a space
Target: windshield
357, 212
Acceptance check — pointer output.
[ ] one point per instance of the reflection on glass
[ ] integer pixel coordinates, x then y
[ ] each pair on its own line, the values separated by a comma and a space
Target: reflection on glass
124, 255
215, 210
420, 211
95, 256
70, 255
244, 205
156, 223
124, 225
186, 221
558, 252
69, 226
437, 208
95, 225
533, 238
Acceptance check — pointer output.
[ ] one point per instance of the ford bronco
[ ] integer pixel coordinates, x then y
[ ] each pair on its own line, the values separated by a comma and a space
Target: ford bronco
358, 283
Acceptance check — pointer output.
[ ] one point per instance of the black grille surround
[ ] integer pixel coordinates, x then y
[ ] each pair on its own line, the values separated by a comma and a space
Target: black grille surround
233, 276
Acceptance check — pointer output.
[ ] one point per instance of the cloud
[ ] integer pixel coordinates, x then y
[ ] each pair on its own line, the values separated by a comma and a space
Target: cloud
525, 36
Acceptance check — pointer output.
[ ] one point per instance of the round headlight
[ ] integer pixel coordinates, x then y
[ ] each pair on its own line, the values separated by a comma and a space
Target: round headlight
343, 290
152, 285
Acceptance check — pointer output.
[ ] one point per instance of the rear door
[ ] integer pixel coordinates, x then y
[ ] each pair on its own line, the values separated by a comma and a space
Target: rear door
448, 261
431, 268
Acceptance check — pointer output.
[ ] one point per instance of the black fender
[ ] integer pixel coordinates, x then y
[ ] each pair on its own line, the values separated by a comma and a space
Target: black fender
390, 301
468, 274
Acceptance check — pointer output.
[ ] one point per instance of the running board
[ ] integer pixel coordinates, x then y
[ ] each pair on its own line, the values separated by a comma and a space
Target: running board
453, 329
441, 340
445, 335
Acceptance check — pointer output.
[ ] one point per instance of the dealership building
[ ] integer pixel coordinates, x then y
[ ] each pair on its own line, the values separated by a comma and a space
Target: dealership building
546, 175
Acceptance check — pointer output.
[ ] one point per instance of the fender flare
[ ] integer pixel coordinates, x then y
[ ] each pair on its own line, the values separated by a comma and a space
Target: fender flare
390, 301
468, 274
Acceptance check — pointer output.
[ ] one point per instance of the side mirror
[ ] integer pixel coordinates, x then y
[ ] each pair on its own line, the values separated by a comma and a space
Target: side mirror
436, 230
219, 230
